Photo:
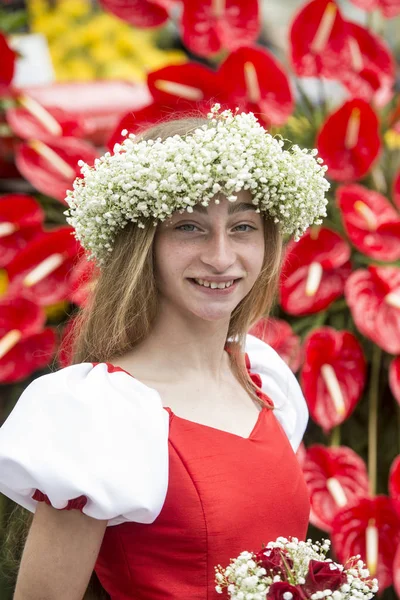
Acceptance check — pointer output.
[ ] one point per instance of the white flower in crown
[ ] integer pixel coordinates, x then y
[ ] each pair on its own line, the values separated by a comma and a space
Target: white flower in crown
153, 178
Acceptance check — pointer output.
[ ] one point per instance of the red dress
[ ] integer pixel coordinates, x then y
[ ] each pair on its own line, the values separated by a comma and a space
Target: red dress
225, 494
179, 497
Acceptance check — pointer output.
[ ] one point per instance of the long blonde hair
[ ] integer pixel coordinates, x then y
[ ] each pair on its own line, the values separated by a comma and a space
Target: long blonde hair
123, 303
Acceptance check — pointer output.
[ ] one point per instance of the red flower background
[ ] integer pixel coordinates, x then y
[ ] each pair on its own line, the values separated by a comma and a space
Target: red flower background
337, 321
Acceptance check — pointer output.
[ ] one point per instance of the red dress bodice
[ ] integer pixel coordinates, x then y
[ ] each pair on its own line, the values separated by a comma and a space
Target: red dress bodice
225, 494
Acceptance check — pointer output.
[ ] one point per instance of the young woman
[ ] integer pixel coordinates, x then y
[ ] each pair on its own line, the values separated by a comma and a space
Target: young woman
167, 447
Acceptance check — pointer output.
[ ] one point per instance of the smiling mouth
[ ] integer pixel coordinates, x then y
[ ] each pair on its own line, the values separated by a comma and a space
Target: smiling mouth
214, 285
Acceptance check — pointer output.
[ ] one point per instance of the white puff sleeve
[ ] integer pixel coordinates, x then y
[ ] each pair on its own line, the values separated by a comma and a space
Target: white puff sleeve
85, 432
281, 385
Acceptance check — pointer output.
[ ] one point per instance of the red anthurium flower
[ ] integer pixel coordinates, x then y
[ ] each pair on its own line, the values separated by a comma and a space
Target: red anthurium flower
333, 375
7, 64
140, 13
21, 336
394, 483
82, 280
314, 271
41, 271
369, 527
373, 296
279, 335
349, 141
52, 166
31, 354
389, 8
370, 73
213, 25
371, 222
33, 121
256, 82
394, 378
186, 86
318, 40
335, 476
21, 219
396, 190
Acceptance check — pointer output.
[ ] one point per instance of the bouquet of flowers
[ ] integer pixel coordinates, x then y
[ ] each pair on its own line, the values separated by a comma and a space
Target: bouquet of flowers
289, 569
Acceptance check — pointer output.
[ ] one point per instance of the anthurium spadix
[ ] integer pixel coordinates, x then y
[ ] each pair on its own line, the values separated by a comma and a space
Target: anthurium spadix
314, 271
373, 296
335, 476
333, 375
369, 527
371, 222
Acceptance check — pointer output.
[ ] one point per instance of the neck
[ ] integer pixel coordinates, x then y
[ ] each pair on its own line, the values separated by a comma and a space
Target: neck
183, 345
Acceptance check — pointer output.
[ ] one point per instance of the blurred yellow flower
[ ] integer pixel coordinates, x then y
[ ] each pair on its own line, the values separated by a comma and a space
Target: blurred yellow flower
51, 25
392, 139
76, 69
86, 43
75, 8
152, 58
123, 69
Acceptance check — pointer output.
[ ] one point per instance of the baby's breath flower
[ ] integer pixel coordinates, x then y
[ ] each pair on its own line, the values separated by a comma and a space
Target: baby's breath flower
153, 178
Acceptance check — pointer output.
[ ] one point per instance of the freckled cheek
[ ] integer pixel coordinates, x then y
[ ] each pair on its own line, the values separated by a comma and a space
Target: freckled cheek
171, 262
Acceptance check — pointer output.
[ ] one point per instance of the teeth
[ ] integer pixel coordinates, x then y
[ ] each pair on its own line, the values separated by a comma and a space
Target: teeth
214, 284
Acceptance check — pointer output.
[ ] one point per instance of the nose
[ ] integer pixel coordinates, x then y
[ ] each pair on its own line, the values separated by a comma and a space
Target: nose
218, 252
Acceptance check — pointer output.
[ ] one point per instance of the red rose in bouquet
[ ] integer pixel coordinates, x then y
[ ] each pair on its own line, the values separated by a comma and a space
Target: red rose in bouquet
278, 591
323, 575
274, 561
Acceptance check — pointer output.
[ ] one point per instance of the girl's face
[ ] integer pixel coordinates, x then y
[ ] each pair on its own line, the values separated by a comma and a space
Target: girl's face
207, 261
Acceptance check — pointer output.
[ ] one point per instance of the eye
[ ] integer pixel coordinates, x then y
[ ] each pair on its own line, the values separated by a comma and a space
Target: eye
243, 225
186, 227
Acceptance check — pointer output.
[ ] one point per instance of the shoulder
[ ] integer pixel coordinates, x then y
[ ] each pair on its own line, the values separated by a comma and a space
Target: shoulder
281, 385
95, 384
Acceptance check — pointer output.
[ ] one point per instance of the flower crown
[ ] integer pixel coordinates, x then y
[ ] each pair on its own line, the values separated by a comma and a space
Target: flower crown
153, 178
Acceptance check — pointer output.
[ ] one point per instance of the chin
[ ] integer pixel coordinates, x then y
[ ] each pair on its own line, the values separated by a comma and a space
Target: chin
212, 313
